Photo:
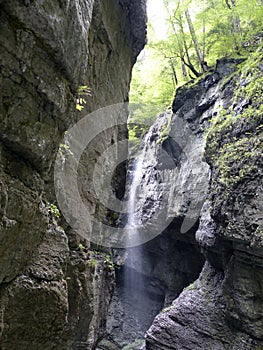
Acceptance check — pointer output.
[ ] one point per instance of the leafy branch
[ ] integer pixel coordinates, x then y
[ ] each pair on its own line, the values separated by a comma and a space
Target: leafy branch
83, 91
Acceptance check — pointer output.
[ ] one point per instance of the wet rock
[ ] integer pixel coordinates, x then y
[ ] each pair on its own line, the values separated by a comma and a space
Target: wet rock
223, 308
52, 294
197, 319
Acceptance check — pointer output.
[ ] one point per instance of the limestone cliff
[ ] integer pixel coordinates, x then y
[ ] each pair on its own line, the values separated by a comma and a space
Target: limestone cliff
54, 291
222, 309
201, 188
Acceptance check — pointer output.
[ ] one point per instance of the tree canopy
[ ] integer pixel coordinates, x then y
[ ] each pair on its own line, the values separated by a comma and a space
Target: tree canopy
198, 33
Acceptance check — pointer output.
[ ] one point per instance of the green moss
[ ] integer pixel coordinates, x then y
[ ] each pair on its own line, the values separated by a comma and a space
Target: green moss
238, 160
93, 263
166, 309
191, 286
226, 80
234, 140
134, 345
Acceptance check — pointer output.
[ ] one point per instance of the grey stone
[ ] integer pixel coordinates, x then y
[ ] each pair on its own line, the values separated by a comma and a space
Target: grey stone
223, 308
54, 294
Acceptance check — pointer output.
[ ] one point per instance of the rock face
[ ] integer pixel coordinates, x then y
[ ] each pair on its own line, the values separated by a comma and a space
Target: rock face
222, 309
168, 265
54, 291
172, 188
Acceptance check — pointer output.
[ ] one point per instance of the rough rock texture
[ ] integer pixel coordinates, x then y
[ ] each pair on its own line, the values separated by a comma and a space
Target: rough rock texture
223, 308
146, 286
172, 188
54, 292
197, 320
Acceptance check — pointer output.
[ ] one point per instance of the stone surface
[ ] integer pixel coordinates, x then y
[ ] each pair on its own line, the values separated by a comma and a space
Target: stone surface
55, 287
144, 288
54, 291
197, 320
173, 186
223, 308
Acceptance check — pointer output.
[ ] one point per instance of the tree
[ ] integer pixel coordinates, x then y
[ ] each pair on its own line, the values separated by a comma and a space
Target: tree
175, 31
195, 41
176, 23
198, 31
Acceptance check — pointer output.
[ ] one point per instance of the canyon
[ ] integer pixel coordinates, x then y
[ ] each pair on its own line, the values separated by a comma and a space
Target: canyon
197, 280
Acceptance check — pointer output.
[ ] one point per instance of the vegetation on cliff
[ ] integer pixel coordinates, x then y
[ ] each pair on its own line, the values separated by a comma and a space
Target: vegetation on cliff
235, 138
197, 34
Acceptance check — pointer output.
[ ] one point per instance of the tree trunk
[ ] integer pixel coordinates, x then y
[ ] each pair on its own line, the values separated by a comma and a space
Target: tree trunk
234, 24
194, 39
181, 43
204, 35
187, 63
180, 47
191, 67
175, 80
184, 73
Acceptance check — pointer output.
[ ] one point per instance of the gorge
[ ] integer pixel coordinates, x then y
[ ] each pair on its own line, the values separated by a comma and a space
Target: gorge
195, 197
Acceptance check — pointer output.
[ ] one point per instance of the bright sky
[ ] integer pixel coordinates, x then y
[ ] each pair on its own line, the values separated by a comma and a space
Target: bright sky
157, 16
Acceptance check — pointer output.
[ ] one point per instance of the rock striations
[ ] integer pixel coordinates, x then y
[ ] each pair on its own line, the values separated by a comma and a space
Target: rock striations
200, 197
54, 291
223, 308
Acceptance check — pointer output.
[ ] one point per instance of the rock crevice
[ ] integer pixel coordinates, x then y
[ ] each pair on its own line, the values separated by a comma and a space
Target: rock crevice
55, 290
222, 309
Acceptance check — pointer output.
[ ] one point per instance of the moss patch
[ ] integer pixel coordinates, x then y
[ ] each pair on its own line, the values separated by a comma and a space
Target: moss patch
135, 345
234, 143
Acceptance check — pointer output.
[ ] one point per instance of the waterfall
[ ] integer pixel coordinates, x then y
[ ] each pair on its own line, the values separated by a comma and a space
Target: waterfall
140, 303
132, 220
134, 278
133, 265
134, 225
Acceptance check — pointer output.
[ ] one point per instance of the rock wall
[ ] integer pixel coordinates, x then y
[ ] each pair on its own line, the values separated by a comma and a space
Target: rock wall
173, 185
169, 264
54, 291
222, 309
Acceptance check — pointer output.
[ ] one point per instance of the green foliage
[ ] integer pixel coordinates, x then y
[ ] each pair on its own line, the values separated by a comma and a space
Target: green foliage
108, 261
151, 92
251, 73
81, 246
98, 258
83, 91
92, 263
102, 257
64, 150
53, 210
235, 141
134, 345
164, 65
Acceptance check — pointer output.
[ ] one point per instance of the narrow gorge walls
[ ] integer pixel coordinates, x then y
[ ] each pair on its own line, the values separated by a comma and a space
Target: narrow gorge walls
222, 309
201, 182
51, 295
201, 176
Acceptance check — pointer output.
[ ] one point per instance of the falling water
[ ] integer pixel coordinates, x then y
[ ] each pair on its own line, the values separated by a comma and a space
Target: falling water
132, 221
134, 255
135, 292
